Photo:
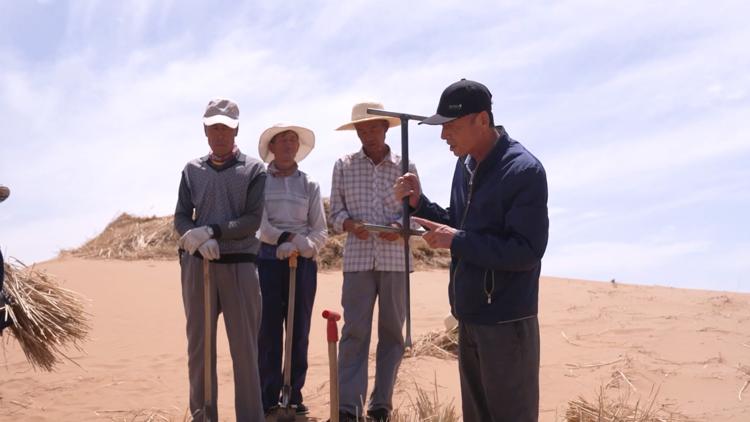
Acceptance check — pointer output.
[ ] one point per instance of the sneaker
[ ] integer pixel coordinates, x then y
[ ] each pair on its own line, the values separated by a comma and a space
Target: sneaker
300, 409
378, 415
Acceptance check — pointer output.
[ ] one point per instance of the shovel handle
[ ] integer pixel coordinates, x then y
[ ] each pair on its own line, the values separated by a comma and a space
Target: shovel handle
207, 337
332, 329
293, 260
333, 337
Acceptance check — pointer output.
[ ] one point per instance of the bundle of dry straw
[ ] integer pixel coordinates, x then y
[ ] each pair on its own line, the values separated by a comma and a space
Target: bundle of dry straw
604, 409
426, 408
47, 319
437, 343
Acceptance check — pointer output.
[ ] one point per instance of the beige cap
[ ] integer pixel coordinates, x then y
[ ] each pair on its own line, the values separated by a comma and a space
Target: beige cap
305, 135
360, 114
222, 111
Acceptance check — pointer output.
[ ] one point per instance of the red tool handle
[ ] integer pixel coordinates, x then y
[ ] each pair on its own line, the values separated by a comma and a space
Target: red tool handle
332, 328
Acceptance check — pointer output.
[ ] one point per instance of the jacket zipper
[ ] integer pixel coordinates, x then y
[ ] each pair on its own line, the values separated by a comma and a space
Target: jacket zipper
461, 226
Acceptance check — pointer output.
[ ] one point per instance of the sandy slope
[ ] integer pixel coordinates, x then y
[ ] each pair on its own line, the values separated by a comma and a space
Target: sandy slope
692, 345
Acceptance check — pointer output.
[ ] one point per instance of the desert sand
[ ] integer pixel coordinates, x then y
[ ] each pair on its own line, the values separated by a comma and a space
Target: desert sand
692, 346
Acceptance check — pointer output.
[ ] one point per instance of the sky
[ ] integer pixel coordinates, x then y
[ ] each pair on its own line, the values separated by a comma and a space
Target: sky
638, 111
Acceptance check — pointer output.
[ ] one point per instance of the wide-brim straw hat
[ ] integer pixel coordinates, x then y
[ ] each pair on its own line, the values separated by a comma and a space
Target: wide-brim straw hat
305, 135
360, 114
4, 193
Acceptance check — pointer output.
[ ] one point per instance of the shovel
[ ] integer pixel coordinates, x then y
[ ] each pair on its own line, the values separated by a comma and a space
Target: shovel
286, 412
333, 336
208, 408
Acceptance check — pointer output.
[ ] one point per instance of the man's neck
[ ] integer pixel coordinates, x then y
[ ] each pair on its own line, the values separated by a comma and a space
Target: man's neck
377, 156
285, 169
489, 139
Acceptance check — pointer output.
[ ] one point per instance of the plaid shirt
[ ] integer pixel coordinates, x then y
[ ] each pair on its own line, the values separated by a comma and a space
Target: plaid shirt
363, 191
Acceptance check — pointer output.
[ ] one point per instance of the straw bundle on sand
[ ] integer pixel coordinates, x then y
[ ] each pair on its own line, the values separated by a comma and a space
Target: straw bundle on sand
437, 343
129, 237
604, 409
46, 317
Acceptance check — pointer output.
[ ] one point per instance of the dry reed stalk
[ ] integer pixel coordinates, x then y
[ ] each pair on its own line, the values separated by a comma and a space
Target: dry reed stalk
627, 380
593, 365
47, 318
565, 336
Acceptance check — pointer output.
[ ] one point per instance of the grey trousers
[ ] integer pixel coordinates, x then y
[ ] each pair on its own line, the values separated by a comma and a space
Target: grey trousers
236, 293
499, 370
358, 300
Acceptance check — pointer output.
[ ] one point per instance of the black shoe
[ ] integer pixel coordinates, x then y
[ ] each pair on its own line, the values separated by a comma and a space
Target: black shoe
346, 417
270, 410
300, 409
378, 415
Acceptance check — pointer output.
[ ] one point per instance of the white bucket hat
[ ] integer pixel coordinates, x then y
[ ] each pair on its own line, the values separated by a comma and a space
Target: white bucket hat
4, 193
360, 114
305, 135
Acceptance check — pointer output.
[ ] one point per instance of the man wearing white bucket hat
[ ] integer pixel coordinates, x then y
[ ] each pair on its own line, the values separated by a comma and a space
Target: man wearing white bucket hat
293, 221
219, 210
373, 264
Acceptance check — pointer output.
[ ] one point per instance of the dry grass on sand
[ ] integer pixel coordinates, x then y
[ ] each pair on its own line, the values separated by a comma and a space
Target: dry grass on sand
129, 237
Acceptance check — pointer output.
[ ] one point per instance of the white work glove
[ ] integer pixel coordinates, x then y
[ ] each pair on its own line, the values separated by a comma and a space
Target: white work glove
194, 238
210, 250
285, 250
304, 246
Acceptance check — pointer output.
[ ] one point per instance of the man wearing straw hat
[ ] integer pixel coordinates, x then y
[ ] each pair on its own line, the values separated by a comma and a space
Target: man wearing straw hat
219, 210
4, 319
373, 264
496, 229
293, 221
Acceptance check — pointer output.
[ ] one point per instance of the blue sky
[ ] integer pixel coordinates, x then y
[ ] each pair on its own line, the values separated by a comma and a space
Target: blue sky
638, 111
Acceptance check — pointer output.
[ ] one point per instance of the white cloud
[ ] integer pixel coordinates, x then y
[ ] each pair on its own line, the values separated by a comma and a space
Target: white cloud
637, 104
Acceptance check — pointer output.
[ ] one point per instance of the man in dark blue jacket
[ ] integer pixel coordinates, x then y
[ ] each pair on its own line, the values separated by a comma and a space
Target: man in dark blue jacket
496, 229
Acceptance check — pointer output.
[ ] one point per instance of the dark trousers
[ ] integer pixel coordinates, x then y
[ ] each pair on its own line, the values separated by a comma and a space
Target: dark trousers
499, 371
274, 284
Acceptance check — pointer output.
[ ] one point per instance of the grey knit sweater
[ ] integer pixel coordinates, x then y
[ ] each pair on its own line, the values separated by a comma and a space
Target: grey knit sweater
227, 198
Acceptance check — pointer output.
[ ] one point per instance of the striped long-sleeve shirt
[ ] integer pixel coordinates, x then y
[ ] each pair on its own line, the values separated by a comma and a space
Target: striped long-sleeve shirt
293, 204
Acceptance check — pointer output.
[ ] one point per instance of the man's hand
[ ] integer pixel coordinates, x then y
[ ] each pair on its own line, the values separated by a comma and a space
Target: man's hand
306, 250
439, 235
391, 237
194, 238
408, 185
357, 228
285, 250
210, 250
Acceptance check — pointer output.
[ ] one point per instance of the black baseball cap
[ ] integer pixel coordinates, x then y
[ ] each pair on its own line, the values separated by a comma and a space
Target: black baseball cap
459, 99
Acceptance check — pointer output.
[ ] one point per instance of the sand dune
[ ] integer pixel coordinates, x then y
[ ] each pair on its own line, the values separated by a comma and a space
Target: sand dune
694, 346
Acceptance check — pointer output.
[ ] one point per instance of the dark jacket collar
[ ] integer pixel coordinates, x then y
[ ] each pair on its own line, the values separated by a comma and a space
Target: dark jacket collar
496, 153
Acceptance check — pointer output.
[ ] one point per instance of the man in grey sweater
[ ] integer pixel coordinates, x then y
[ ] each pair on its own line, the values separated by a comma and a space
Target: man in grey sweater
219, 210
